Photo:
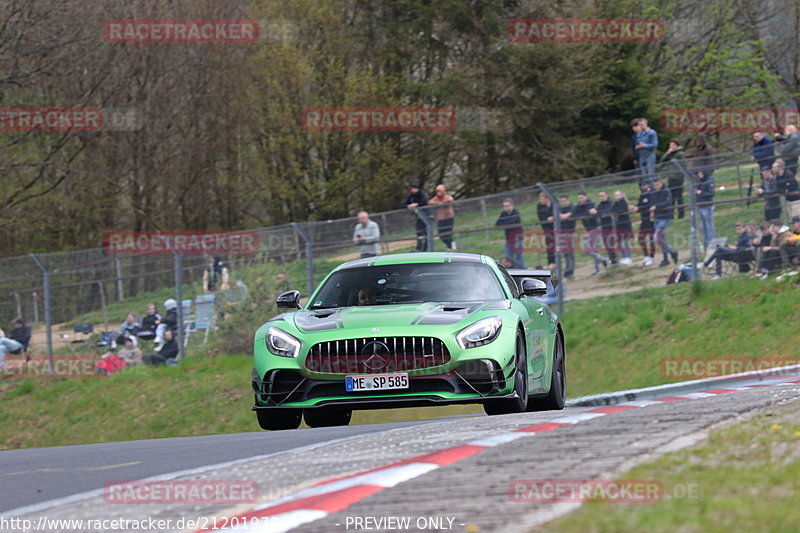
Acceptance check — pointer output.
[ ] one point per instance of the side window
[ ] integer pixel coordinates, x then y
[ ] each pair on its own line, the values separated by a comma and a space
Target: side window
511, 282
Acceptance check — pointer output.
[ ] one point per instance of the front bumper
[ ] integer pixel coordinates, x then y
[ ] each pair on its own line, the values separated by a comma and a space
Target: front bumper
471, 382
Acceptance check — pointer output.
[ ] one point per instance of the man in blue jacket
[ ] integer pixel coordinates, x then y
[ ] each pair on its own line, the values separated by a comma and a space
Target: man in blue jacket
763, 150
662, 215
646, 144
704, 191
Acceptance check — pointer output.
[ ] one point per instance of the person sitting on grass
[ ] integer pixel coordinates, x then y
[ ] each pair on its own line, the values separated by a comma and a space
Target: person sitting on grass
7, 346
790, 247
168, 321
769, 255
130, 326
150, 322
22, 334
129, 352
166, 354
741, 254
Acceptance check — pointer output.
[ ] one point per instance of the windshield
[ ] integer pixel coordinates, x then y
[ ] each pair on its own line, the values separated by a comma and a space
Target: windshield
411, 283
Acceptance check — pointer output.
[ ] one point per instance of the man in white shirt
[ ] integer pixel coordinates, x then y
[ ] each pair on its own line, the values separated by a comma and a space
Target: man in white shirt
366, 235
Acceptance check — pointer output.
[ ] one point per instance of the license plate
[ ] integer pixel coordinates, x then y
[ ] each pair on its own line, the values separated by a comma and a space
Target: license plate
376, 382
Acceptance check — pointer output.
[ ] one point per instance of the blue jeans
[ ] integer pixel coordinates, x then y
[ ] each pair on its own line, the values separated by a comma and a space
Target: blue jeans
707, 218
661, 225
647, 165
7, 346
515, 256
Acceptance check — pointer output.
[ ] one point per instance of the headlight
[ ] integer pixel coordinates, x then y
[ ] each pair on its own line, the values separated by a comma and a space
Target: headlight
281, 343
481, 332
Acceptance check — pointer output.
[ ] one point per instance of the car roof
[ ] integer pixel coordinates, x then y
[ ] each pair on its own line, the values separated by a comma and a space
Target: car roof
419, 257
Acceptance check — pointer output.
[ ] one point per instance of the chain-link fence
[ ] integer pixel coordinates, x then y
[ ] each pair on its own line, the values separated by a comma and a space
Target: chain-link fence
62, 290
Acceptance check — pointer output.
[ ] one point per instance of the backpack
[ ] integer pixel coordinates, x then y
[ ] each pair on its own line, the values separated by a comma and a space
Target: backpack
680, 274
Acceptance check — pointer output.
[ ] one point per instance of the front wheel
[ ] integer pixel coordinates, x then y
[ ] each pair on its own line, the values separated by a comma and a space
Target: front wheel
327, 417
519, 404
277, 419
557, 396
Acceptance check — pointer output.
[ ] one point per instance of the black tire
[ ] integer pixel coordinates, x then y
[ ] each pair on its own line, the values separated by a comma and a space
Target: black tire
323, 417
277, 419
519, 404
557, 396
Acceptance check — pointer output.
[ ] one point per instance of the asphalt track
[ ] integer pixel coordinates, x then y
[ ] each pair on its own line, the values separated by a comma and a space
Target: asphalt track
36, 475
457, 472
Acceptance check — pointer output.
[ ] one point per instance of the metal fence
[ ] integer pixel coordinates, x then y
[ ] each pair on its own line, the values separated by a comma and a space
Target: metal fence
58, 289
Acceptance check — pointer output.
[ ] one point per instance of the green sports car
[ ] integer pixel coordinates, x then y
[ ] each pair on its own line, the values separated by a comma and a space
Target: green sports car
410, 330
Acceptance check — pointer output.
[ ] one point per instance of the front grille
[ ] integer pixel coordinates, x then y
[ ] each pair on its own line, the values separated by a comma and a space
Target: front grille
377, 355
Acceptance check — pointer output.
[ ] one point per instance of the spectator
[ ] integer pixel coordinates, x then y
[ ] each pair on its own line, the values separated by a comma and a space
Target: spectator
130, 326
741, 254
22, 334
634, 151
7, 346
790, 247
166, 354
511, 223
622, 227
789, 148
215, 276
366, 235
591, 241
445, 215
416, 199
763, 150
169, 322
567, 237
551, 296
675, 176
769, 255
703, 159
787, 186
646, 144
150, 322
705, 205
129, 353
604, 209
769, 191
662, 215
646, 227
544, 211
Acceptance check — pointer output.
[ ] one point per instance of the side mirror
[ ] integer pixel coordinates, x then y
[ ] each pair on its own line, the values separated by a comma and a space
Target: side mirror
288, 300
533, 287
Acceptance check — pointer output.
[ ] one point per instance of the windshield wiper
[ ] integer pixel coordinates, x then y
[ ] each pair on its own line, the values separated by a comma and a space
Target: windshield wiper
325, 306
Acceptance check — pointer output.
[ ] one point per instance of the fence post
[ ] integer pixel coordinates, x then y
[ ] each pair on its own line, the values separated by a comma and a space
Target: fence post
48, 322
19, 303
556, 232
309, 255
692, 220
423, 215
35, 297
118, 268
178, 265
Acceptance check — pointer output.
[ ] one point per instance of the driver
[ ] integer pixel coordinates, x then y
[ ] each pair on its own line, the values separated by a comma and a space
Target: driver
366, 296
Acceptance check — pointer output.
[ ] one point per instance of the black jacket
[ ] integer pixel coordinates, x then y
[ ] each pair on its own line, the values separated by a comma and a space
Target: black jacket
568, 224
606, 207
706, 188
581, 211
169, 350
22, 335
787, 185
663, 201
645, 201
420, 198
674, 175
544, 211
171, 319
512, 224
623, 221
149, 322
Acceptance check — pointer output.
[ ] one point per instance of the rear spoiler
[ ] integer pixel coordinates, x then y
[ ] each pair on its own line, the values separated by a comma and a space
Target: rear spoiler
545, 275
